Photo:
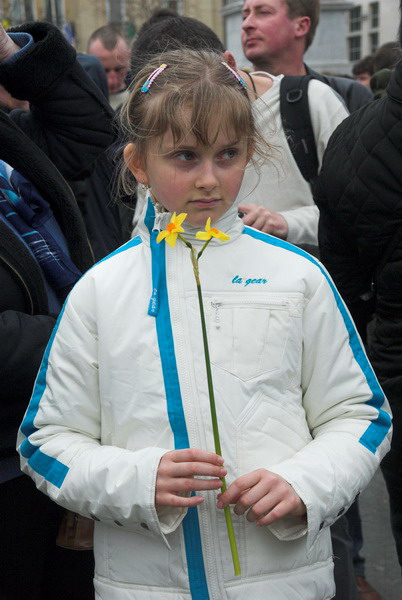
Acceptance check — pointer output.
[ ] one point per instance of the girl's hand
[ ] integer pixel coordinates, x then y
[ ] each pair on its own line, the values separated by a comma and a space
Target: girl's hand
266, 496
264, 220
176, 476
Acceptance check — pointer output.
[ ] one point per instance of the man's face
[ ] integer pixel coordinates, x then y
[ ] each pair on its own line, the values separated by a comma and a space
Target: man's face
115, 62
267, 30
364, 78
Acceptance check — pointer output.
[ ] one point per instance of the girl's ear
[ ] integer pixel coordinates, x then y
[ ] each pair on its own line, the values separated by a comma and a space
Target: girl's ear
135, 163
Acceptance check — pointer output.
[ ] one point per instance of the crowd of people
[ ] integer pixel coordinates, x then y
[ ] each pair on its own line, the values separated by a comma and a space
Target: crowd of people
122, 167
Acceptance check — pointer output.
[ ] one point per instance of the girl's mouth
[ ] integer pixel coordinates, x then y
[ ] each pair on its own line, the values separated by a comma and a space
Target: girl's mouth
206, 202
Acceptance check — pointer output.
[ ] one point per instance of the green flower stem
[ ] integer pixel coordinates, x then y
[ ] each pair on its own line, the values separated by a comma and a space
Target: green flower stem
228, 516
203, 248
183, 239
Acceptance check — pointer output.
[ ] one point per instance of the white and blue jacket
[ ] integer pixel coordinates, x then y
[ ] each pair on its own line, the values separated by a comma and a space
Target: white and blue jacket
123, 381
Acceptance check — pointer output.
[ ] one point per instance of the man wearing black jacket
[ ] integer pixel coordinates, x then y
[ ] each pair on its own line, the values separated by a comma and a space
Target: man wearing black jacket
359, 194
70, 123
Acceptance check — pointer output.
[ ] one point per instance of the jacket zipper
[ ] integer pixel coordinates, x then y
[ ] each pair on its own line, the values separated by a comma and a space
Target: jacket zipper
210, 562
24, 285
217, 305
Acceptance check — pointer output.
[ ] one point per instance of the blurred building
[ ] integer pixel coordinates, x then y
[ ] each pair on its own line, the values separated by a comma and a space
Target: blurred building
79, 18
347, 32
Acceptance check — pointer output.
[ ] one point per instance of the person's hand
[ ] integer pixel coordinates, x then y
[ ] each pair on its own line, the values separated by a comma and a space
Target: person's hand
7, 46
266, 496
264, 220
177, 476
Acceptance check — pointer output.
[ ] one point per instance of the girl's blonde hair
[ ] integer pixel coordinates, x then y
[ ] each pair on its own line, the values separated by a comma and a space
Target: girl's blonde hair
195, 80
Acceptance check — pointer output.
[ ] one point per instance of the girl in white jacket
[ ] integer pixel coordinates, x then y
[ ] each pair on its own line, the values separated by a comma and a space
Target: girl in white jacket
119, 428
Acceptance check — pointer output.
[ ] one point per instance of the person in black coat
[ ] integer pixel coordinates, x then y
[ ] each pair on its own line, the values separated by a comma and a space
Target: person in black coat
359, 194
71, 121
67, 128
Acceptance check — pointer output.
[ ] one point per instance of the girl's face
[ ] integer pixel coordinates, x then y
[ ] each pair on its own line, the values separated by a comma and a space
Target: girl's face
202, 181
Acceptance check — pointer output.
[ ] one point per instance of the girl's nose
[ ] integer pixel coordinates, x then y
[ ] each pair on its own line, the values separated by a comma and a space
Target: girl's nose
207, 178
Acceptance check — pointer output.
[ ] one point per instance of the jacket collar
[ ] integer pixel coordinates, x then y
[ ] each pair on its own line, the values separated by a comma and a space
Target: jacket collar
155, 219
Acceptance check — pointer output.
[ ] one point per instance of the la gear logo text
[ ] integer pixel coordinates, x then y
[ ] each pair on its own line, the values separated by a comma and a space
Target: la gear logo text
245, 282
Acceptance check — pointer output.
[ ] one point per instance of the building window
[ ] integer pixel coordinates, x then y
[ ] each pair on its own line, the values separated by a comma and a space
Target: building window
355, 48
374, 15
355, 19
373, 42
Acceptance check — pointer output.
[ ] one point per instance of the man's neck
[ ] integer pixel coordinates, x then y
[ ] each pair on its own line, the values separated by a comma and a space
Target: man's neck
281, 66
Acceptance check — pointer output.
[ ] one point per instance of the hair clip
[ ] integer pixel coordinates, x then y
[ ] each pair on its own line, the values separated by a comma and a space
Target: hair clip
239, 79
152, 77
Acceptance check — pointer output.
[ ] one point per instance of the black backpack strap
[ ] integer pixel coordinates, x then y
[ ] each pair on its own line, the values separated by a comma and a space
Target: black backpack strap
296, 121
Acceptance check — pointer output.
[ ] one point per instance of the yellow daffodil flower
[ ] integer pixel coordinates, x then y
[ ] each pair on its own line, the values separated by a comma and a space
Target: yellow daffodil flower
172, 230
211, 232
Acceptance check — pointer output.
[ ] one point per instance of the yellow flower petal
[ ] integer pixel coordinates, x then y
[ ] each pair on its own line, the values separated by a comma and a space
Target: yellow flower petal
203, 235
223, 236
208, 224
179, 220
161, 236
171, 239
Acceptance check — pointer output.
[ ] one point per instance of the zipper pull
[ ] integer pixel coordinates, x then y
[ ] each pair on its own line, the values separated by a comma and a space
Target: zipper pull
217, 320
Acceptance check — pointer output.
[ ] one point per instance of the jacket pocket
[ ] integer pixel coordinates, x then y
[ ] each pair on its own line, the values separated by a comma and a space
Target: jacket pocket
248, 334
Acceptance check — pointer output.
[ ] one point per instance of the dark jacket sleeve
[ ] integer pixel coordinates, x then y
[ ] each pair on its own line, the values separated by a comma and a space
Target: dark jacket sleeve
69, 118
340, 254
359, 196
23, 341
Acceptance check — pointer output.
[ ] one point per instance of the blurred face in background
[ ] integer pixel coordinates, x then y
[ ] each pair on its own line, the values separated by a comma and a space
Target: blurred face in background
364, 78
115, 62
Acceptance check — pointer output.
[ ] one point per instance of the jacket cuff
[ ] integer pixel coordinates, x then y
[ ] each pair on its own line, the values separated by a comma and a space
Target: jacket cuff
44, 61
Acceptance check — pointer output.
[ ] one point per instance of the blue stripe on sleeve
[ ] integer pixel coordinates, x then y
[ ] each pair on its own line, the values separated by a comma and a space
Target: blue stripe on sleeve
378, 429
191, 528
49, 467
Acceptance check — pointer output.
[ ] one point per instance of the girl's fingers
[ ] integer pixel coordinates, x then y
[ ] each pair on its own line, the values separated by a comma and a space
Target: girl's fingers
263, 506
166, 499
194, 455
182, 484
237, 488
252, 497
277, 512
192, 469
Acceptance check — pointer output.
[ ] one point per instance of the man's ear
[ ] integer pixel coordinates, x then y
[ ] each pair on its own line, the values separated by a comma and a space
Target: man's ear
303, 25
135, 163
230, 59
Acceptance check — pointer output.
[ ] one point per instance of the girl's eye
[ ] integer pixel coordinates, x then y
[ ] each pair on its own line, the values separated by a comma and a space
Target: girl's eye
229, 153
184, 156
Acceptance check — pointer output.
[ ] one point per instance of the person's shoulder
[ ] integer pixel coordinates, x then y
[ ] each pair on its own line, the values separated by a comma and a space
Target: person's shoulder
284, 249
115, 262
325, 101
318, 90
120, 254
110, 272
268, 86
